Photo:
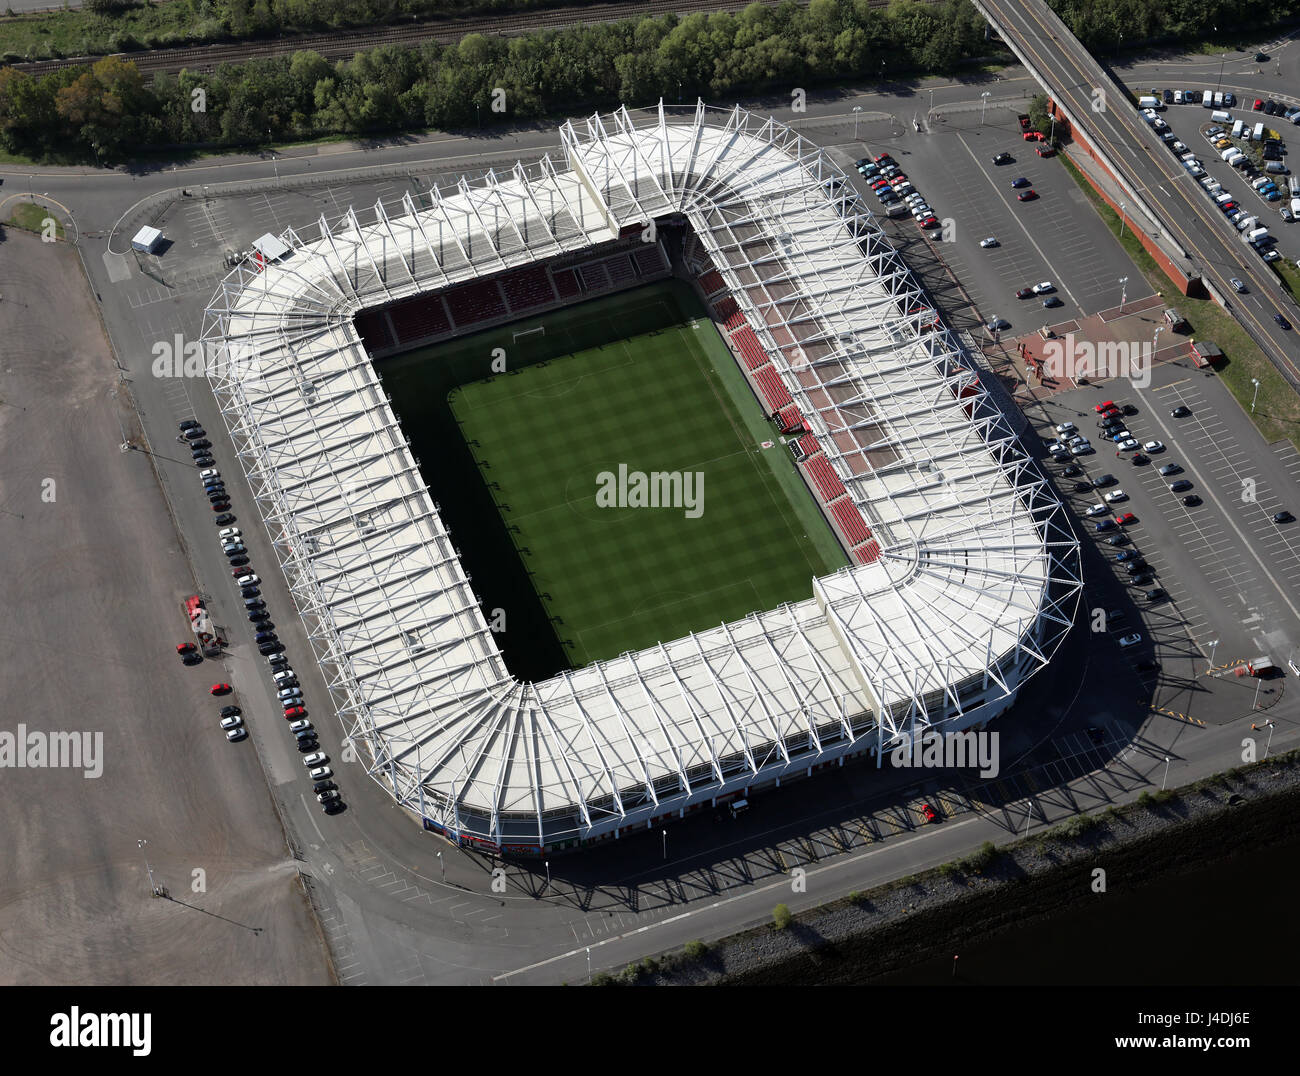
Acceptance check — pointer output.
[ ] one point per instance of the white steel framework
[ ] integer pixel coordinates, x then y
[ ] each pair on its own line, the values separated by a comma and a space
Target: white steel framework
975, 581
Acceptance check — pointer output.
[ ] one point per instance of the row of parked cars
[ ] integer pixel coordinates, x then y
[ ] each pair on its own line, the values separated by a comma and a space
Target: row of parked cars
895, 191
288, 690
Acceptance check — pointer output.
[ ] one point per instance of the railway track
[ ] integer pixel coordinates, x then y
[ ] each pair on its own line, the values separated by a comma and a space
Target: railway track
343, 43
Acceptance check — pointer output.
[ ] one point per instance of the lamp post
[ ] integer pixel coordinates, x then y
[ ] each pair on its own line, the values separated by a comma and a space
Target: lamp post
1155, 343
588, 965
1222, 60
1269, 726
153, 886
984, 101
665, 833
857, 111
928, 114
1213, 645
1165, 778
1123, 284
1122, 207
1254, 396
548, 874
443, 864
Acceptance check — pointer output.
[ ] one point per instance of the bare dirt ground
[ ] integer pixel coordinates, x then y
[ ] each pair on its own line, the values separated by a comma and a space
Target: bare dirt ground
90, 592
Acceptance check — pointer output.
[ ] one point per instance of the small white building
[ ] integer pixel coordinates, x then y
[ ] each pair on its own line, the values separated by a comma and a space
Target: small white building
147, 240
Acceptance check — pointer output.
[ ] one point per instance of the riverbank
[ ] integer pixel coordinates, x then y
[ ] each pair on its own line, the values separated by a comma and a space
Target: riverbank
868, 936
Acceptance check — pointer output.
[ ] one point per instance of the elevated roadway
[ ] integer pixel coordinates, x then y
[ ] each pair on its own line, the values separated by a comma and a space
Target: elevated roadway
1188, 228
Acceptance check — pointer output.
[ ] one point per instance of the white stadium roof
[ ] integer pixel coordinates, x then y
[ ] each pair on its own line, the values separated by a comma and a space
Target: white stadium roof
972, 587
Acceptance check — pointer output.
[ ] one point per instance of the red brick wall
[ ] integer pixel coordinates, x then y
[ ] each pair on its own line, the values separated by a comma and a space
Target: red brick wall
1187, 285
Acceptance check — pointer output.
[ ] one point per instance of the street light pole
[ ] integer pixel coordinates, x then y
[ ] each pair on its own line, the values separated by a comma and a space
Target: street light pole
857, 112
984, 101
1121, 223
1270, 739
1123, 281
665, 833
1164, 779
588, 965
443, 864
1213, 646
1255, 396
153, 886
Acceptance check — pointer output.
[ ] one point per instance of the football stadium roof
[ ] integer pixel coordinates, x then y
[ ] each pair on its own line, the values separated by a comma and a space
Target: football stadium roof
966, 573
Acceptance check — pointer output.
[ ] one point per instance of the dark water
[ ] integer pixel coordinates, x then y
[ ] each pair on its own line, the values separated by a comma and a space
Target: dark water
1232, 923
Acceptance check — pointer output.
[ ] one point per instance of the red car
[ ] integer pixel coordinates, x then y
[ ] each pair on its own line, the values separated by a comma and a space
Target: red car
240, 569
927, 812
185, 648
1258, 105
290, 712
1027, 196
219, 689
221, 506
1126, 519
1109, 405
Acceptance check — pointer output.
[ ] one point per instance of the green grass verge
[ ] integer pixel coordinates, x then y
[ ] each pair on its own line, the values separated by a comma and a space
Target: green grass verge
1277, 414
32, 217
619, 578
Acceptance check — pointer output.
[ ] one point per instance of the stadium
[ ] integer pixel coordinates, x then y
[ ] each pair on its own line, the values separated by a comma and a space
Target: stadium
957, 575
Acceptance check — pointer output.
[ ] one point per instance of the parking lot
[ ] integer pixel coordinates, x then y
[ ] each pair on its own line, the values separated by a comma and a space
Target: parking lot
1188, 122
1057, 237
1231, 574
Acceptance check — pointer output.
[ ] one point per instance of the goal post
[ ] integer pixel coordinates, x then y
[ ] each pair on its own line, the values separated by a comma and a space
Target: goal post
540, 330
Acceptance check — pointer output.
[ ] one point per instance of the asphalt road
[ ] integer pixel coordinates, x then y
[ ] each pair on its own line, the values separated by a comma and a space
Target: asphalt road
1037, 35
385, 906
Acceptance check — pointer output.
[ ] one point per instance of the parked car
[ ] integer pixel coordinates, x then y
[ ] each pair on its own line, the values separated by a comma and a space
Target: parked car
319, 773
318, 759
1130, 640
1052, 301
1019, 182
1027, 196
1103, 480
221, 521
1044, 287
1116, 495
1168, 469
1154, 446
1180, 412
1283, 517
1003, 158
989, 242
1179, 486
1096, 510
219, 689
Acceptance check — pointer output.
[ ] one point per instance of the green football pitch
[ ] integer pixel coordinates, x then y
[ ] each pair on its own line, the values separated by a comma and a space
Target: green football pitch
613, 579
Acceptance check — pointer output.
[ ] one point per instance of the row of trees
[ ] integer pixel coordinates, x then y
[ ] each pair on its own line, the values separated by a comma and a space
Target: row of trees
107, 111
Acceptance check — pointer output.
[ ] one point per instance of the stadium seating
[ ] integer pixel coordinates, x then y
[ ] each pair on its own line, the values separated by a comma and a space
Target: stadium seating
867, 554
620, 270
528, 288
772, 389
825, 479
750, 349
594, 276
809, 445
790, 419
725, 309
419, 318
372, 325
650, 260
712, 283
477, 301
566, 283
850, 521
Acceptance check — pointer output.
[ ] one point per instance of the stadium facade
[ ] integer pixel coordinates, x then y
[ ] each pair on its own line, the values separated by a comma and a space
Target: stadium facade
964, 574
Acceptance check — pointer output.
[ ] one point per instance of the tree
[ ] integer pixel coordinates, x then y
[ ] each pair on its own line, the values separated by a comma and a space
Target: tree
782, 917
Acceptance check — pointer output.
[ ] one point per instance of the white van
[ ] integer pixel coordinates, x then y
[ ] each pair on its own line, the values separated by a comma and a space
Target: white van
1149, 102
1229, 153
1218, 100
1256, 234
1236, 128
1219, 199
1276, 168
1221, 117
738, 807
1293, 184
1258, 132
1207, 99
